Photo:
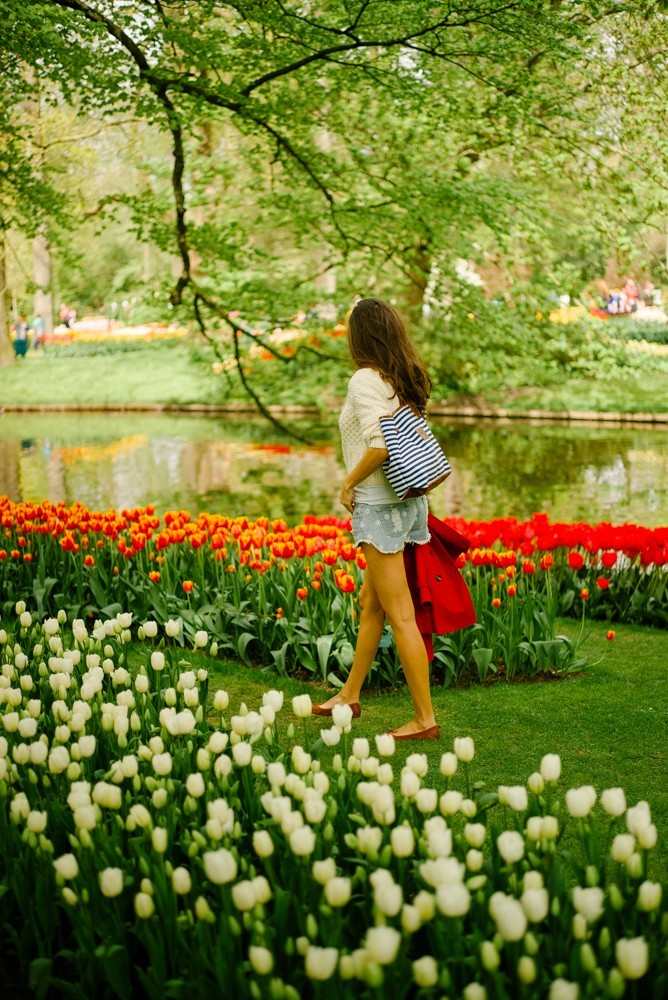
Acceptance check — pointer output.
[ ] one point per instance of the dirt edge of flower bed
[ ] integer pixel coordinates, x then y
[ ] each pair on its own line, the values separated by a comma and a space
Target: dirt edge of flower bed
435, 410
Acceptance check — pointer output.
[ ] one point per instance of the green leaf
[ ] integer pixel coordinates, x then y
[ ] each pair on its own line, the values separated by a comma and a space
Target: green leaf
40, 976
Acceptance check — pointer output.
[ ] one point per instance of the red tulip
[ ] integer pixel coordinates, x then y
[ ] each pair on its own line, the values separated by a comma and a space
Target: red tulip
610, 634
575, 560
602, 582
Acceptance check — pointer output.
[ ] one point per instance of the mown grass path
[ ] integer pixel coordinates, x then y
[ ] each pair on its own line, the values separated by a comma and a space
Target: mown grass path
609, 724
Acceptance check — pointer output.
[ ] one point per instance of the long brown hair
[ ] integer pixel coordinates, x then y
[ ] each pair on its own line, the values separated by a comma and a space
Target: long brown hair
377, 338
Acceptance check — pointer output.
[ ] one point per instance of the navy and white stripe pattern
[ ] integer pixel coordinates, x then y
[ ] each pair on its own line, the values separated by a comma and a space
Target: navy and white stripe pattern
416, 461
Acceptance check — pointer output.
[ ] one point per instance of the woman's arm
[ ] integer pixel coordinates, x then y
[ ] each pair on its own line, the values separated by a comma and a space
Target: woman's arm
368, 463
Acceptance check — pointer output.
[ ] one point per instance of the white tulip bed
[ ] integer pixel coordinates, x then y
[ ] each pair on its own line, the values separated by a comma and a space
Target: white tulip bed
153, 847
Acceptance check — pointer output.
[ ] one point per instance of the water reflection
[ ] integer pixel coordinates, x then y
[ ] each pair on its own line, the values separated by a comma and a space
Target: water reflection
237, 464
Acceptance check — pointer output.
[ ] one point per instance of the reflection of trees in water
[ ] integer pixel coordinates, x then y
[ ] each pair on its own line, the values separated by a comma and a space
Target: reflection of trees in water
238, 466
520, 468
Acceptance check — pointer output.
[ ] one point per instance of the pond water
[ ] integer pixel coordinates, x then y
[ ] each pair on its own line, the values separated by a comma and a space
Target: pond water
236, 464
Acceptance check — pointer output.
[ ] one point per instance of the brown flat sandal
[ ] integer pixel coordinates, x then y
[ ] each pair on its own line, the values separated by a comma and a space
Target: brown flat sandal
320, 710
433, 733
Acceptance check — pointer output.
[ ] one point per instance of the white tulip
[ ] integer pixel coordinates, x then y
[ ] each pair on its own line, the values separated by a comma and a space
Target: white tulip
464, 748
261, 960
550, 828
425, 904
263, 845
550, 767
449, 764
426, 800
382, 944
320, 963
402, 841
563, 989
489, 956
534, 828
580, 801
410, 783
451, 802
385, 744
526, 970
66, 866
647, 837
243, 895
410, 919
181, 881
425, 971
511, 846
337, 891
535, 903
510, 919
588, 902
632, 956
442, 871
649, 896
536, 783
157, 660
36, 821
302, 841
342, 716
159, 839
622, 847
173, 627
111, 882
59, 760
516, 797
532, 880
453, 900
274, 699
474, 834
474, 991
242, 754
324, 871
474, 860
360, 748
220, 866
301, 706
613, 801
388, 898
162, 763
331, 737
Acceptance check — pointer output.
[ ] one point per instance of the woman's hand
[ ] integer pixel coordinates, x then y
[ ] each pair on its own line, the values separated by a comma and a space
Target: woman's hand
346, 497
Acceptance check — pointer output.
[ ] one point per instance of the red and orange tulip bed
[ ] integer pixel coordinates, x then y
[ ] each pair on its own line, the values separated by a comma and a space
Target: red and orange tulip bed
286, 596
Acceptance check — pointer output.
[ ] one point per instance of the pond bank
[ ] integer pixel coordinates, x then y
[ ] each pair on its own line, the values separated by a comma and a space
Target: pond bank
435, 409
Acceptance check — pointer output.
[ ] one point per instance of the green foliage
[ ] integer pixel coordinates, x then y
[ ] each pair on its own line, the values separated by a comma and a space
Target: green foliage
634, 329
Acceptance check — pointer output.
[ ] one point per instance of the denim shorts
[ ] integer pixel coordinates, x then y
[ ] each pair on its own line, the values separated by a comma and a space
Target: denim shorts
388, 526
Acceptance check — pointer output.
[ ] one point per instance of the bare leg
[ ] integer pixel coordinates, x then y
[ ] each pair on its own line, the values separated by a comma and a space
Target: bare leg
388, 574
372, 621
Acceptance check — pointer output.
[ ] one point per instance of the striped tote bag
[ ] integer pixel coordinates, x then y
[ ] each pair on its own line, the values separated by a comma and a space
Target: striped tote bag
416, 462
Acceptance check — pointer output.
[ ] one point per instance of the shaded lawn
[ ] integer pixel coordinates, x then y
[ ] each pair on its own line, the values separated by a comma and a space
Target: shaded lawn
175, 373
609, 725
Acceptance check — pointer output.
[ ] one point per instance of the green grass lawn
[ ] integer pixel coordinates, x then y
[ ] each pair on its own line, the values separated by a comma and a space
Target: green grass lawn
628, 392
609, 725
174, 374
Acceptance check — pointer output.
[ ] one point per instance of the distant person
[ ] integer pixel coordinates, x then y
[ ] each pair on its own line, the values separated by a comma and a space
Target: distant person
37, 326
67, 316
20, 336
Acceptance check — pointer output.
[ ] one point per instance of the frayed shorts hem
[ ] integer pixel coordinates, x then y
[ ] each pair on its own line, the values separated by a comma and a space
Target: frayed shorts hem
391, 552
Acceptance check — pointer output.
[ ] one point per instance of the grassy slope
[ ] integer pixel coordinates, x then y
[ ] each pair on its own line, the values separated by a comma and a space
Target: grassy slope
162, 373
608, 725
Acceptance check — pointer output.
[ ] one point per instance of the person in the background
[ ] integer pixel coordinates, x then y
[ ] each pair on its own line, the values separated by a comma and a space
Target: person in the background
20, 336
37, 326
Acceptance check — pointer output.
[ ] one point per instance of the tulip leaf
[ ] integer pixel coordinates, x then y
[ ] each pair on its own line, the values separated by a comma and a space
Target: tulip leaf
40, 976
324, 647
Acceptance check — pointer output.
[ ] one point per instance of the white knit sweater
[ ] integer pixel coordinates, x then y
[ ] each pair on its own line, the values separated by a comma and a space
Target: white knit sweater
369, 397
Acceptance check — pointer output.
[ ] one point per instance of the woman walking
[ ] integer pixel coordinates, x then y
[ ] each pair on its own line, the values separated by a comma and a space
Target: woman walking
389, 374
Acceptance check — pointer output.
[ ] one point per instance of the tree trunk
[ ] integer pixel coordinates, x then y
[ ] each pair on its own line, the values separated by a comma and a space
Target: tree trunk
6, 349
41, 271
